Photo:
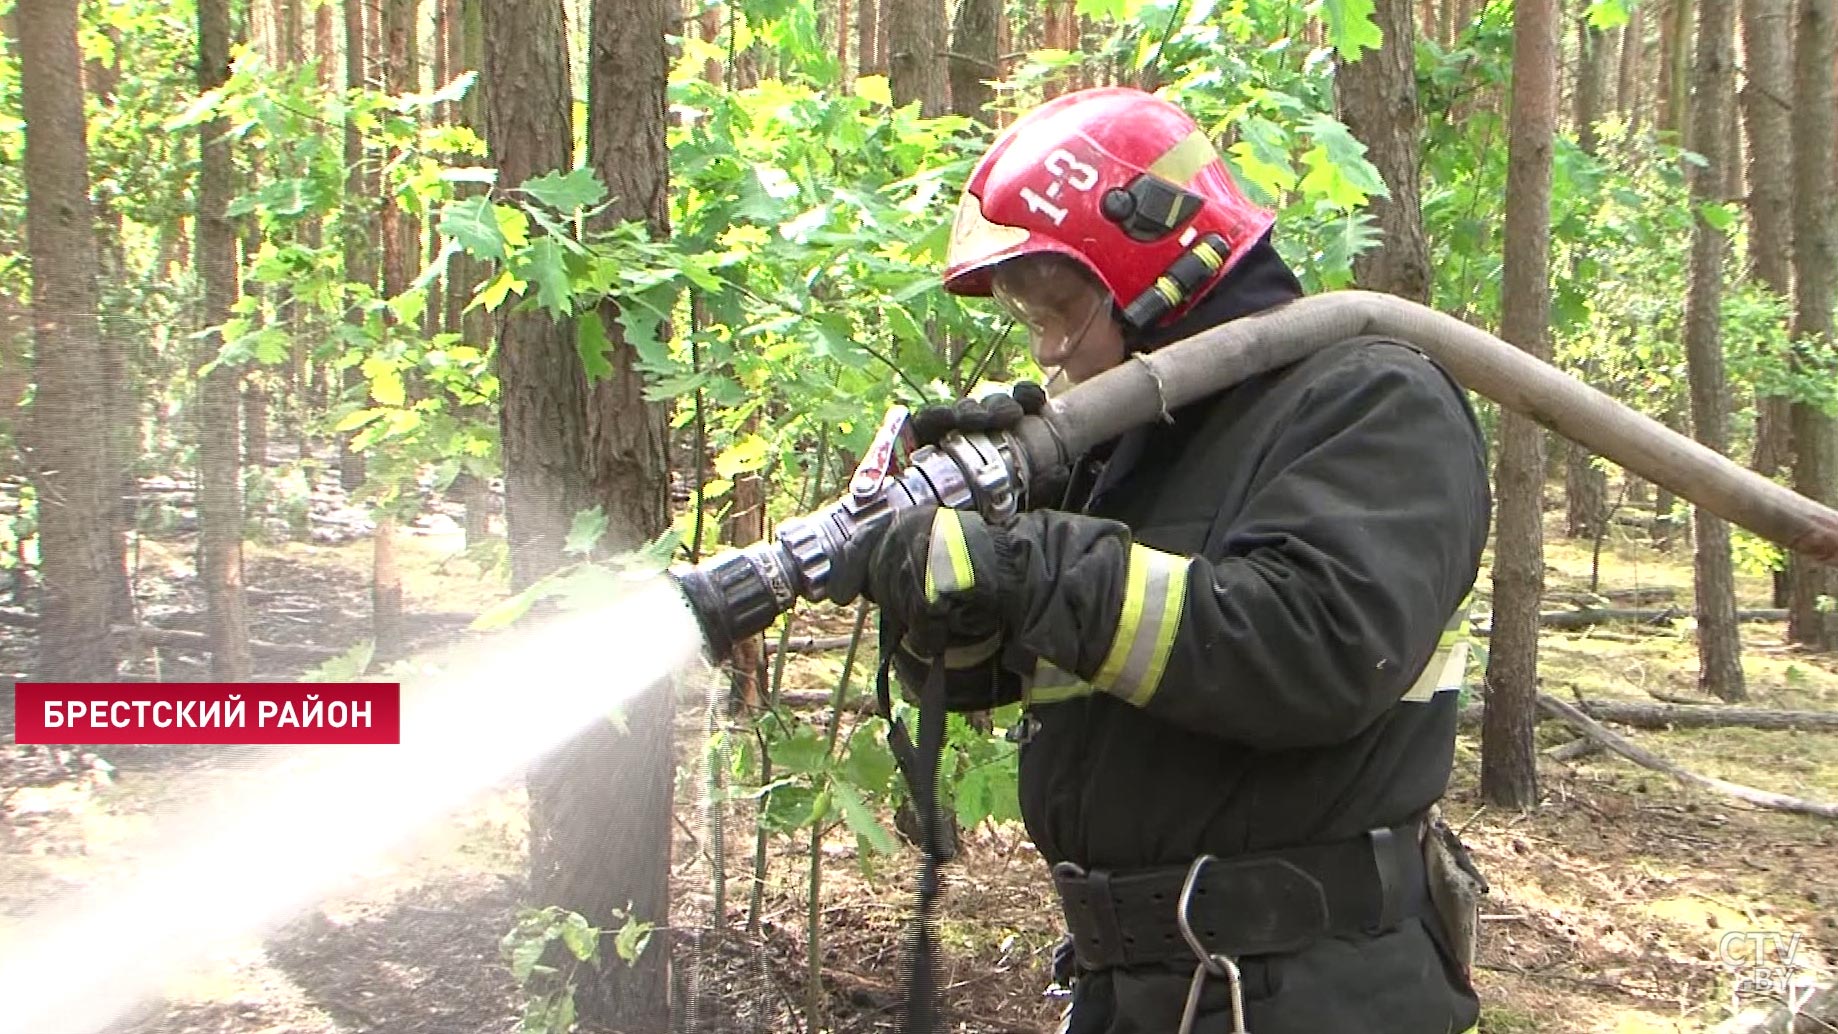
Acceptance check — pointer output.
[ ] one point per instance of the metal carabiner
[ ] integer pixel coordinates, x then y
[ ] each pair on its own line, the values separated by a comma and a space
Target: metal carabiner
1217, 966
1210, 964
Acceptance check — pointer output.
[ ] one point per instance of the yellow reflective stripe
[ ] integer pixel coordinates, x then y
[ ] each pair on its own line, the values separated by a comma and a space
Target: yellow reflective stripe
947, 563
1209, 255
1169, 290
1052, 685
1182, 162
960, 656
1154, 596
1448, 666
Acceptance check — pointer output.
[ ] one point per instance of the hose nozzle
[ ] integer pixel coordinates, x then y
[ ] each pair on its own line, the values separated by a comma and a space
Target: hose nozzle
739, 593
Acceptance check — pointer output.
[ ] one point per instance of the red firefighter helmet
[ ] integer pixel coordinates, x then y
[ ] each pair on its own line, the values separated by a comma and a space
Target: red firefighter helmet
1118, 180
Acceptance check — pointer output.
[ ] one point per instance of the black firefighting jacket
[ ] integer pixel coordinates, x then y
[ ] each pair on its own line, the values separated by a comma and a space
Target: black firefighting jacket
1237, 656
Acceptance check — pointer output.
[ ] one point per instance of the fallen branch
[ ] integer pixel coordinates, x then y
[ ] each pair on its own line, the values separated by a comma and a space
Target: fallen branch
1688, 716
1581, 747
182, 639
1812, 1008
1588, 726
809, 644
1588, 617
806, 700
1632, 597
1707, 716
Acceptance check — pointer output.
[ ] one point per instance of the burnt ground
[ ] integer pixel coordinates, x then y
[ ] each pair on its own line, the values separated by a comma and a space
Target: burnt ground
1610, 899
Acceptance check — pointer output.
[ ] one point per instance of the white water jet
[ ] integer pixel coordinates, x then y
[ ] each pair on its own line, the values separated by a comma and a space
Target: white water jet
297, 830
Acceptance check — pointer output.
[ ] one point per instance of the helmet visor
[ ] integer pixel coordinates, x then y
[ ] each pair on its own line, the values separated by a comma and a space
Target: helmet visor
1055, 298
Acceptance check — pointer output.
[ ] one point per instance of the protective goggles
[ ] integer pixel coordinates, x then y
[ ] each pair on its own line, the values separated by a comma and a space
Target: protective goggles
1054, 298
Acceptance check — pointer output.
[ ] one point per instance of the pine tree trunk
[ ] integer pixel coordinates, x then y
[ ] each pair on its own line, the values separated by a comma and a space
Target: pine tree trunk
915, 70
1585, 484
220, 504
1675, 39
1812, 607
400, 246
385, 592
360, 263
475, 496
1378, 102
1633, 45
1509, 775
868, 52
70, 462
1767, 95
1719, 645
475, 326
607, 778
121, 399
973, 58
542, 385
302, 372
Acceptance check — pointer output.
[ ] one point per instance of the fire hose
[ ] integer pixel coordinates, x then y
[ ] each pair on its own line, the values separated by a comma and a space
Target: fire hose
737, 594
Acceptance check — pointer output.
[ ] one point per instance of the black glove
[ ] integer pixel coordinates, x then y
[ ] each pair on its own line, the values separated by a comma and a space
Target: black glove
934, 575
995, 412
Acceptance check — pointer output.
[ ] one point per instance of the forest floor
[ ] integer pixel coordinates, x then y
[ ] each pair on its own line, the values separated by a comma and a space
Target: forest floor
1611, 902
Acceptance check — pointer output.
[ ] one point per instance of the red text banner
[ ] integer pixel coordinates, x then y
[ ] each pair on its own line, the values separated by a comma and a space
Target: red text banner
208, 712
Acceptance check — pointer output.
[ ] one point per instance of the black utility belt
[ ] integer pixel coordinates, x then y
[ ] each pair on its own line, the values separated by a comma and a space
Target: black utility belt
1257, 904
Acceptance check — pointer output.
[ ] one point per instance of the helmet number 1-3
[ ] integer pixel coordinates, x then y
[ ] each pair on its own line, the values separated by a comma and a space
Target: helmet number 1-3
1067, 171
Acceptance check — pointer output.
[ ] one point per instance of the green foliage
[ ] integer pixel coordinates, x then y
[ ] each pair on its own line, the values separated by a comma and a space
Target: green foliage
1350, 28
814, 786
556, 933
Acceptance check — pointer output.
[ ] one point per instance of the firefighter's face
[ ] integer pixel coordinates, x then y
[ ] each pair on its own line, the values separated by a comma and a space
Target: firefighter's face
1068, 314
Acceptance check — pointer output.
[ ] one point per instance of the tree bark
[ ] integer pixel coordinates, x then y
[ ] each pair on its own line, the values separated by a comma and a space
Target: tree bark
475, 326
1767, 96
360, 263
745, 525
1675, 55
627, 438
1378, 102
1719, 644
1586, 484
121, 399
69, 460
607, 778
974, 58
1813, 602
1509, 775
869, 57
542, 385
915, 69
220, 503
1633, 42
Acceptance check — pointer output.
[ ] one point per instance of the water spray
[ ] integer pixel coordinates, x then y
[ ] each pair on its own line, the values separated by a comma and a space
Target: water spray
739, 593
281, 835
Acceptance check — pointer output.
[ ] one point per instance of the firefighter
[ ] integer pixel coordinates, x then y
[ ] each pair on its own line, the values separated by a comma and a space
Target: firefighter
1230, 629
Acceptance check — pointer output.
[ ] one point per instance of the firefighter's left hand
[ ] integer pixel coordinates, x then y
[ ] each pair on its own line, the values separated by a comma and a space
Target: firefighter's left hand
935, 576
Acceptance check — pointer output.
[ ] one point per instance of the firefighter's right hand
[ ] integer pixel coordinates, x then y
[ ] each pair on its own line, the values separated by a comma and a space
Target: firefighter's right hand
850, 565
997, 411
